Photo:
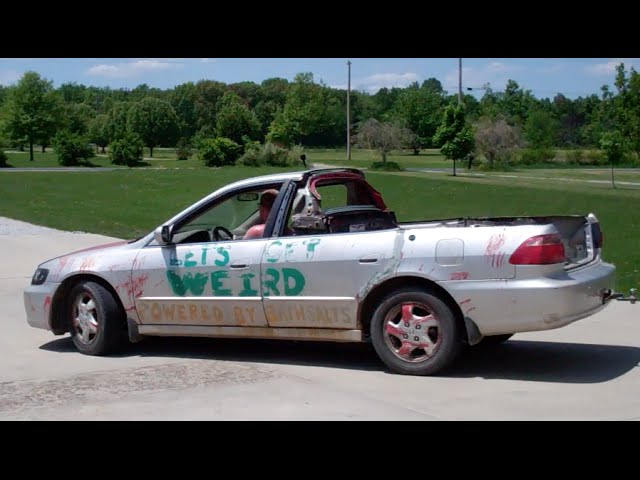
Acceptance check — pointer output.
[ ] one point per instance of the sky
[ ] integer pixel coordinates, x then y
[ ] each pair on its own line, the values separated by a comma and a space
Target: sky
545, 77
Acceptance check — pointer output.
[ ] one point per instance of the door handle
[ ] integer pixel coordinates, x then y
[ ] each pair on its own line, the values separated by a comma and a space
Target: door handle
240, 264
373, 258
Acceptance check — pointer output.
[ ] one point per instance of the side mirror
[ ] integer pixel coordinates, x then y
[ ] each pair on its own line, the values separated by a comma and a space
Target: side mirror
162, 235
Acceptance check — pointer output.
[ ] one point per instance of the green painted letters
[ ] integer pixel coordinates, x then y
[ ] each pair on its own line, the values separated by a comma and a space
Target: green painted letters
271, 284
247, 291
298, 281
181, 286
216, 284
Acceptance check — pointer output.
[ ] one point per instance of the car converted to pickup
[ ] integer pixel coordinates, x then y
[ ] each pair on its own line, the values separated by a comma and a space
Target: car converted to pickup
333, 264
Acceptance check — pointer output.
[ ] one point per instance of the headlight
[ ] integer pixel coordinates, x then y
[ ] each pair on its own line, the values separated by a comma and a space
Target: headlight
40, 276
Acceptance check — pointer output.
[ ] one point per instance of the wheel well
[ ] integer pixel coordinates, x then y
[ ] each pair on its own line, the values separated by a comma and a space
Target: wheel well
375, 296
58, 303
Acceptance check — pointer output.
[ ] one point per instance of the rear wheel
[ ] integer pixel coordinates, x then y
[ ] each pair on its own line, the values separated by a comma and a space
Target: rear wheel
414, 332
95, 319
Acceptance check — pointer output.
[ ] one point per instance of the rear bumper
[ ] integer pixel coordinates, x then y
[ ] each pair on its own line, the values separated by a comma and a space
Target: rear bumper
37, 304
512, 306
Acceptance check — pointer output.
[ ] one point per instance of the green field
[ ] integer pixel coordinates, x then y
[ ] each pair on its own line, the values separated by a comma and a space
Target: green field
130, 202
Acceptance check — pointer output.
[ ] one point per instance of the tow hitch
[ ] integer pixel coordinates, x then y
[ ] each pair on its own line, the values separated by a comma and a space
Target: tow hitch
633, 296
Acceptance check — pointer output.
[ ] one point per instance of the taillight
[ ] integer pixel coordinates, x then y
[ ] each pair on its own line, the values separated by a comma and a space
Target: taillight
539, 250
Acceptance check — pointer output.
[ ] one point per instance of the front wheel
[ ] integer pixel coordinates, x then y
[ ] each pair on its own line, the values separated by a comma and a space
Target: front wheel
95, 319
414, 332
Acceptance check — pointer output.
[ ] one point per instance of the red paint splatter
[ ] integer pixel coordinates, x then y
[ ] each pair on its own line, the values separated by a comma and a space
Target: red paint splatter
162, 281
87, 263
62, 262
45, 307
33, 309
394, 330
465, 301
470, 310
407, 313
135, 288
492, 253
459, 275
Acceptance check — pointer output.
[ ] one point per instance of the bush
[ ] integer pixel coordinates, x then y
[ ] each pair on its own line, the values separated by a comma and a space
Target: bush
575, 157
270, 154
218, 152
294, 155
72, 148
3, 159
496, 167
536, 156
183, 149
386, 166
126, 150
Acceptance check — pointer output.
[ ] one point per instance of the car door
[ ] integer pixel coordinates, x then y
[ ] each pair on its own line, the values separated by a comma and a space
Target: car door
200, 281
203, 284
317, 281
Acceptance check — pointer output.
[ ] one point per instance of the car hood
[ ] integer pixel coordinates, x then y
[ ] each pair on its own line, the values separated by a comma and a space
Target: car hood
102, 257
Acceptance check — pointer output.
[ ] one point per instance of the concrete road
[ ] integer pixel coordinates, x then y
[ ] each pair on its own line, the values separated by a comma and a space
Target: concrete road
585, 371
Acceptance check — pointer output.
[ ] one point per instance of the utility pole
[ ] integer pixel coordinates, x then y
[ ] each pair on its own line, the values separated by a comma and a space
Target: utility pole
349, 112
459, 81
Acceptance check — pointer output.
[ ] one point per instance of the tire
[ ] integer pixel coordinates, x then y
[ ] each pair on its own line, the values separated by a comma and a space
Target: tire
493, 340
100, 330
409, 350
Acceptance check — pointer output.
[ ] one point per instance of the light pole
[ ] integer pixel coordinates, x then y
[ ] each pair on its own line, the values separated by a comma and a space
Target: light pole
349, 111
459, 81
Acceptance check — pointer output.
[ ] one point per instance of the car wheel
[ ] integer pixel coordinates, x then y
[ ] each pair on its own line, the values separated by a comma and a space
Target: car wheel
493, 340
95, 319
414, 332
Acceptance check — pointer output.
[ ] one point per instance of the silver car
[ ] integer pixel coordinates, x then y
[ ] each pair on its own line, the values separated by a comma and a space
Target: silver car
332, 264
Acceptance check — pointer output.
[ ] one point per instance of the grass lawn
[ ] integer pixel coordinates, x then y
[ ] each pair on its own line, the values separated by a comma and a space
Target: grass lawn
48, 160
166, 158
130, 202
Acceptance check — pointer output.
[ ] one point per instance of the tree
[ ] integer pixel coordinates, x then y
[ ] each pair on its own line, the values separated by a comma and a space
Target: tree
183, 101
116, 123
126, 149
626, 106
71, 92
98, 131
77, 117
33, 111
155, 121
381, 136
208, 92
496, 139
420, 110
614, 147
454, 135
71, 148
235, 120
312, 115
540, 129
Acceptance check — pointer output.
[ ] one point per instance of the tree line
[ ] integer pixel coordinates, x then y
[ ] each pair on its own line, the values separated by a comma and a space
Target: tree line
307, 113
